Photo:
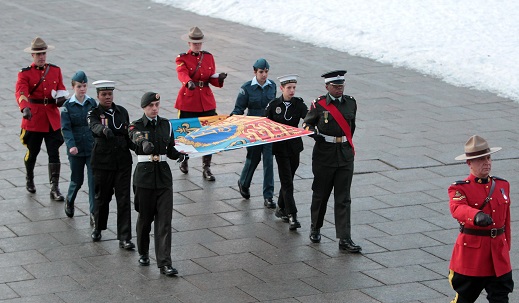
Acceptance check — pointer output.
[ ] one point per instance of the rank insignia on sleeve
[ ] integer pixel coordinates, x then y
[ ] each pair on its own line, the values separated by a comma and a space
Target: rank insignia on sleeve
458, 196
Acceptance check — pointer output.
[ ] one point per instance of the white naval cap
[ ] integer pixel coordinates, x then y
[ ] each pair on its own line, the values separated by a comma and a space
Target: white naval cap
291, 78
104, 85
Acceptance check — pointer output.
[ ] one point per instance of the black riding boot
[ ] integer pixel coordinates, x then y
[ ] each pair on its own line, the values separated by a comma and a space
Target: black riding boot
206, 164
29, 177
55, 194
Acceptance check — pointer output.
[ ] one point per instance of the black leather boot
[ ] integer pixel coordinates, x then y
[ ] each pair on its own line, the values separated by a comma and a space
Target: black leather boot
348, 245
184, 168
69, 208
55, 194
206, 164
292, 220
315, 235
280, 213
29, 177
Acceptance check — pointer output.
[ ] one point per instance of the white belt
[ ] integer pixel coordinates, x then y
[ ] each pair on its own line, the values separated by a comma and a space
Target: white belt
333, 139
151, 158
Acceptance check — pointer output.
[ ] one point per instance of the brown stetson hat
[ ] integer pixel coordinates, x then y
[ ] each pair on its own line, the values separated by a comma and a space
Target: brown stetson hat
38, 46
477, 147
195, 35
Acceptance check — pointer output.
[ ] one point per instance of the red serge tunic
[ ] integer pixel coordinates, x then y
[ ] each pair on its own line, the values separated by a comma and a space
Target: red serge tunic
481, 255
42, 114
200, 99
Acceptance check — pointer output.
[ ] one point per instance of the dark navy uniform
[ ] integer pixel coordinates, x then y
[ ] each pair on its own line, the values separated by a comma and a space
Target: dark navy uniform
112, 167
287, 152
153, 185
332, 162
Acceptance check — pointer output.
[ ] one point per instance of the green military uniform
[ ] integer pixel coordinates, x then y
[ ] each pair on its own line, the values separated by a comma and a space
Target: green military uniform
332, 159
332, 163
153, 185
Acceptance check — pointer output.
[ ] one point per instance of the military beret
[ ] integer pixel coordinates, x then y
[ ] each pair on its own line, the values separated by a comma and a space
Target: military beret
261, 64
80, 77
149, 97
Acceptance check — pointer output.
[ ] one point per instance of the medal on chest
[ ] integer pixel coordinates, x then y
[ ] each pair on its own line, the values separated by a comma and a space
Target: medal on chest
103, 120
325, 113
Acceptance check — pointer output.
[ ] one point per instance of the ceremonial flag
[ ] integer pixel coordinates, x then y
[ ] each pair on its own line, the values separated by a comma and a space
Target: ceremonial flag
209, 135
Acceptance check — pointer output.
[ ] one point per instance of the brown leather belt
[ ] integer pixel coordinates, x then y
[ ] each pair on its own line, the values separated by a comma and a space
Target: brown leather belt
494, 232
201, 83
43, 101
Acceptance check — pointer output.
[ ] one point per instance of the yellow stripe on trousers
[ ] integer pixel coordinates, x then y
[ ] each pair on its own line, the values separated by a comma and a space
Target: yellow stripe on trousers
22, 135
451, 275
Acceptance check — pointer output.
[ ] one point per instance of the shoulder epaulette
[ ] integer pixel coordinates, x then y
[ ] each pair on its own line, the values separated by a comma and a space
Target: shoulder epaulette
461, 182
206, 52
53, 65
299, 99
497, 178
346, 96
25, 69
319, 98
181, 54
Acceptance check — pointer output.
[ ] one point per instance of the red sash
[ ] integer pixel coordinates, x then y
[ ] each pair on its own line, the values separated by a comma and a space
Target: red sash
336, 114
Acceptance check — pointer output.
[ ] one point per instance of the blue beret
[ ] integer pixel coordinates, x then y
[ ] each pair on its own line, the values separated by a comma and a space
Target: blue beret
261, 64
80, 77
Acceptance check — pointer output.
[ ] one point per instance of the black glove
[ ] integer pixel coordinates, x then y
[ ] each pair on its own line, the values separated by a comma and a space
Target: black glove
26, 113
108, 133
190, 85
147, 147
319, 138
222, 77
182, 157
482, 219
60, 101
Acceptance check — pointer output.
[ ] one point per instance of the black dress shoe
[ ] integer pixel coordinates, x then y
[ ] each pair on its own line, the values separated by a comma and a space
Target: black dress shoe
92, 220
184, 167
126, 244
96, 235
144, 260
245, 193
269, 203
348, 245
280, 213
69, 209
168, 270
292, 220
315, 235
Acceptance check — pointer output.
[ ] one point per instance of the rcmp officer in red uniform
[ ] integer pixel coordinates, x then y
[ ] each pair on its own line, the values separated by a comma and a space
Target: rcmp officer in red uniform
481, 204
111, 163
39, 92
289, 110
196, 70
332, 118
153, 182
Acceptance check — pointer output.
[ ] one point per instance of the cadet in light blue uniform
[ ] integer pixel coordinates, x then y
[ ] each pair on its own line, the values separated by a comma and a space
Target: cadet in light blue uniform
79, 141
255, 95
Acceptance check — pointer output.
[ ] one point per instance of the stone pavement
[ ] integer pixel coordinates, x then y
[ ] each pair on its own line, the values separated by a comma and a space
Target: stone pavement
410, 127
